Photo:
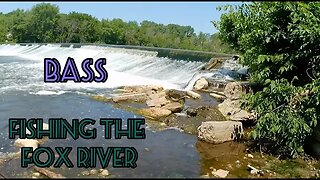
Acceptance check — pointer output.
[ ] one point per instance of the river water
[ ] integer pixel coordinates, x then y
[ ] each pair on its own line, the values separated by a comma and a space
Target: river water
166, 153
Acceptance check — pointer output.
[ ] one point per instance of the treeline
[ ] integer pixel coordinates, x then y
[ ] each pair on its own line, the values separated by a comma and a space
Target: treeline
45, 24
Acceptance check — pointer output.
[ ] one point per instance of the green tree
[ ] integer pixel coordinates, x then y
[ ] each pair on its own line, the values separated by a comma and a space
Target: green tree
43, 22
279, 41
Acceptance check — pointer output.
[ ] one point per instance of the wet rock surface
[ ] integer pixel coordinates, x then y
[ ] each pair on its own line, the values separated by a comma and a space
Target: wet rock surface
220, 131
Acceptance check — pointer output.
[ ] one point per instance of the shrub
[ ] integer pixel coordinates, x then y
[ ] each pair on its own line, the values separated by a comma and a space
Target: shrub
280, 43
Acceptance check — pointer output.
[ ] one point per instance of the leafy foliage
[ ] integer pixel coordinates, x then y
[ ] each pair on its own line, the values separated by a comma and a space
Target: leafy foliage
43, 23
279, 41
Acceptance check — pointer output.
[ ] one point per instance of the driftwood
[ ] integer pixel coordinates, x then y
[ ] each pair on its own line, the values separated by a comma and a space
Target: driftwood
47, 172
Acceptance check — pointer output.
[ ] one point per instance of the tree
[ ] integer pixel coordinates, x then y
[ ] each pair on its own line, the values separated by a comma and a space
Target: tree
279, 41
43, 22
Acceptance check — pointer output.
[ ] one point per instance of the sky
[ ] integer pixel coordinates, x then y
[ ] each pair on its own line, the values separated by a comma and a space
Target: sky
196, 14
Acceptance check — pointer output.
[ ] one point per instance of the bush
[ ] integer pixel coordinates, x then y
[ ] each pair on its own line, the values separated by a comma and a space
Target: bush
279, 42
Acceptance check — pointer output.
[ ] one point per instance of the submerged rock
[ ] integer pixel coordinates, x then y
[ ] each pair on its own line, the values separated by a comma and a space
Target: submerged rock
220, 131
154, 112
101, 98
188, 123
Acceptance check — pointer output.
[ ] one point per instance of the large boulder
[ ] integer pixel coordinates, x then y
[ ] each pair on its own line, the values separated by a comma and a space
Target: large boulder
220, 131
229, 107
154, 112
233, 90
232, 110
201, 83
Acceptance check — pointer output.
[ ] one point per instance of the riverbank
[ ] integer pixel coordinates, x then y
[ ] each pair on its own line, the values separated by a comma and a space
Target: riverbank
205, 103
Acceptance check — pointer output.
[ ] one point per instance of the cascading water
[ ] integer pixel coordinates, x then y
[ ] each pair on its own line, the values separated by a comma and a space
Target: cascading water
124, 66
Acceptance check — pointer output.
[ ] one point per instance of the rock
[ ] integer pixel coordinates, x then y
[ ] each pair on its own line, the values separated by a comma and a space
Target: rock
101, 98
205, 175
220, 131
214, 63
147, 149
93, 172
85, 173
155, 112
243, 115
254, 170
220, 173
201, 83
174, 107
142, 88
233, 90
104, 172
141, 97
156, 95
45, 126
36, 174
250, 156
27, 143
175, 94
229, 107
157, 102
218, 96
194, 95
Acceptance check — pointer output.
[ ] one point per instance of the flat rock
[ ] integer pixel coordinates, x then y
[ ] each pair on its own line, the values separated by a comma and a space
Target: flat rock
156, 95
174, 107
157, 102
142, 88
220, 131
137, 97
155, 112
